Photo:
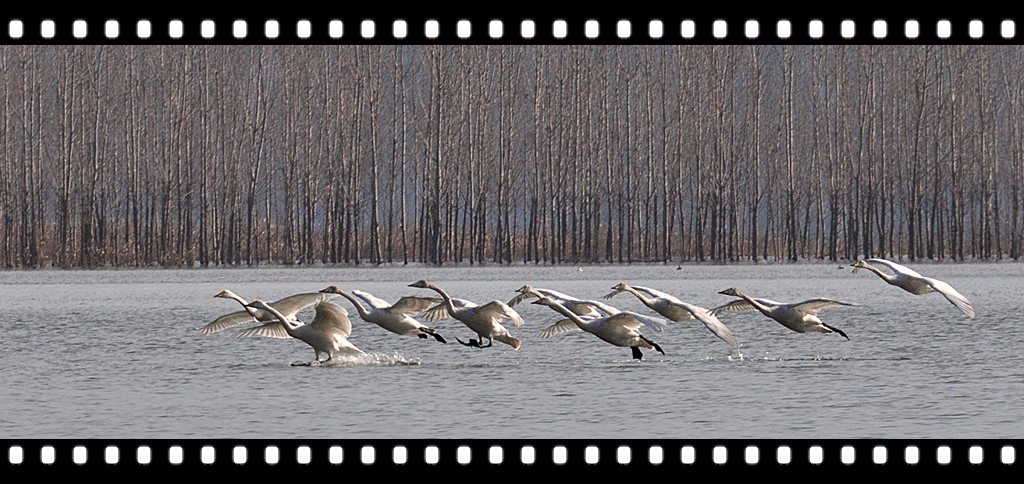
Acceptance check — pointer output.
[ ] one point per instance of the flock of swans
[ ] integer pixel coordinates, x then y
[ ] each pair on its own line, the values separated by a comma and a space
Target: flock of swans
330, 329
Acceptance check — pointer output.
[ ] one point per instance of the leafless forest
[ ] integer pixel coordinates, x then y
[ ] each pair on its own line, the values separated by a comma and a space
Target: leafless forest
246, 155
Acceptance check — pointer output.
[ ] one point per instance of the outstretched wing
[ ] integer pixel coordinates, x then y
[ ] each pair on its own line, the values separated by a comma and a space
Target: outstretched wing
229, 320
267, 330
332, 318
414, 305
498, 309
563, 326
519, 298
440, 311
291, 305
952, 295
372, 300
741, 305
812, 306
711, 322
655, 324
897, 268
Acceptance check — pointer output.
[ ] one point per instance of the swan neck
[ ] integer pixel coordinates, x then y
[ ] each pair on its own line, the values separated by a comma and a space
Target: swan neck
641, 297
444, 295
567, 313
244, 303
355, 302
288, 325
757, 305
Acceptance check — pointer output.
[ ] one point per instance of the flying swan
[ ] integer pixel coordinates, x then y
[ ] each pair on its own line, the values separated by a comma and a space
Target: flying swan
397, 318
914, 283
618, 329
289, 307
484, 320
801, 317
328, 333
672, 308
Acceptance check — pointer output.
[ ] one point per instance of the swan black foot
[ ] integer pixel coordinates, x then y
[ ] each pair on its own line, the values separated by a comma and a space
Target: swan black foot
474, 343
637, 354
837, 330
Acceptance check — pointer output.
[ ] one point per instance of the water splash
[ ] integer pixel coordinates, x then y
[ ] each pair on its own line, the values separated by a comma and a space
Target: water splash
367, 359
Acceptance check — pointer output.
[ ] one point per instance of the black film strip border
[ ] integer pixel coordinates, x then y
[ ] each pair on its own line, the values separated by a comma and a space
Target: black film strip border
674, 27
424, 455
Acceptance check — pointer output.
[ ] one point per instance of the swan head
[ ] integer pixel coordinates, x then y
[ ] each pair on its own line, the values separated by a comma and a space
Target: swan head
732, 291
226, 294
422, 284
527, 289
620, 286
542, 301
859, 265
331, 290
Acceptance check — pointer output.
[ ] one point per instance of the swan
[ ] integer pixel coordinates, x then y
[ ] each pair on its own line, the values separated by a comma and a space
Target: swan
581, 307
672, 308
396, 318
288, 306
618, 329
801, 317
914, 283
484, 320
328, 333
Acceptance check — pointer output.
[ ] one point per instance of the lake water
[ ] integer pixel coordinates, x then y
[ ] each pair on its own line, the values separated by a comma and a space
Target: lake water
117, 355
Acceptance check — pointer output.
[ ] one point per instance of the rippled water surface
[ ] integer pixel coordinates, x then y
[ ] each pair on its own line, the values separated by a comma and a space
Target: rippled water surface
118, 354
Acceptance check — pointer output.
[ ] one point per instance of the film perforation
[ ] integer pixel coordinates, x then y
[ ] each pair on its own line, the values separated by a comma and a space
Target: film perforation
493, 29
600, 453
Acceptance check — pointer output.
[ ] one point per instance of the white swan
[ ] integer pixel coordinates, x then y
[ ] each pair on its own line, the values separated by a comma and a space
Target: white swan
801, 317
618, 329
914, 283
581, 307
672, 308
484, 320
397, 318
289, 307
328, 333
575, 305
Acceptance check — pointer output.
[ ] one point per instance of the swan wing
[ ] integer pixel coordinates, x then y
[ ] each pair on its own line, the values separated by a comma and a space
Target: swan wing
291, 305
897, 268
656, 293
228, 321
600, 306
812, 306
742, 305
711, 322
498, 310
655, 324
519, 298
372, 300
267, 330
332, 318
626, 320
952, 295
563, 326
440, 311
414, 305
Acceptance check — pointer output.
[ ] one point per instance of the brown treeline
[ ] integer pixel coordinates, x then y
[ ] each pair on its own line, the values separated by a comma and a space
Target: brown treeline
244, 155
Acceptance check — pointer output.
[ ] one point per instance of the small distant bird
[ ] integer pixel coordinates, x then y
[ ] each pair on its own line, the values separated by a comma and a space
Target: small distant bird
914, 283
579, 269
328, 333
801, 317
484, 320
